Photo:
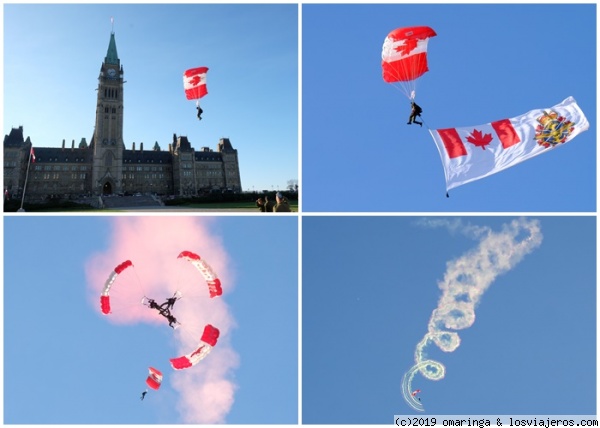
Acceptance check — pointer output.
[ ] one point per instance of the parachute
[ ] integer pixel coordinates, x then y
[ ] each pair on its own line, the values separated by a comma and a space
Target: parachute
207, 342
414, 393
194, 83
154, 379
105, 297
404, 57
213, 282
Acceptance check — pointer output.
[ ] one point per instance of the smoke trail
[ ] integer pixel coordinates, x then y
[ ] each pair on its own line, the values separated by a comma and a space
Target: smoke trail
465, 281
152, 244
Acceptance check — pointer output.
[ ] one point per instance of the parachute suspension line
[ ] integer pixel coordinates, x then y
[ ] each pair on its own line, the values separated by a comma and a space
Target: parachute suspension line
141, 288
407, 87
192, 334
182, 265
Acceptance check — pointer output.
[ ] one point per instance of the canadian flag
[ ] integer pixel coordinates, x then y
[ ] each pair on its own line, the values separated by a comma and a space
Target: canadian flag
475, 152
194, 83
32, 154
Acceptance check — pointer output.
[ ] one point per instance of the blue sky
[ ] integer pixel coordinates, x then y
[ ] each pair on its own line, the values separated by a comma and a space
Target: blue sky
370, 285
488, 62
65, 363
51, 68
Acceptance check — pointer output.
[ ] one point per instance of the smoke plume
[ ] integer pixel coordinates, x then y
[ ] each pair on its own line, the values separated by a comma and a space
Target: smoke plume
465, 281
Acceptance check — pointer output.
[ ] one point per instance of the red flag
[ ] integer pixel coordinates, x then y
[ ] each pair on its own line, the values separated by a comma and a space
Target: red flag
32, 154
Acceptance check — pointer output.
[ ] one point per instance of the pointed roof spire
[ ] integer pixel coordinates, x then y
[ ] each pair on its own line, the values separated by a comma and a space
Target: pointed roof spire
111, 55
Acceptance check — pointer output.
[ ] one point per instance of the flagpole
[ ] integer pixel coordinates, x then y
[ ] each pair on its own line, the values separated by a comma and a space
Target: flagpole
25, 185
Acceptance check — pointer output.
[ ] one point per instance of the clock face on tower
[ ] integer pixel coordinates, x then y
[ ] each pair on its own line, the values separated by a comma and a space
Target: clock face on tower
112, 73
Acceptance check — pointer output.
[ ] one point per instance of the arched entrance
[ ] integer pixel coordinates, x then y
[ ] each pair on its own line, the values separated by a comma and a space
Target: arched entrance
107, 189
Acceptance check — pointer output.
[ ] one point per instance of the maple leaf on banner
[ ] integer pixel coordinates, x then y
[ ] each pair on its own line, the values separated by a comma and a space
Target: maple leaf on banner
477, 138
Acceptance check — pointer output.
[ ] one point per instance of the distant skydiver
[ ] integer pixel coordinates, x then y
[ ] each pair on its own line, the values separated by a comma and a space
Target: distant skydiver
199, 112
144, 394
414, 112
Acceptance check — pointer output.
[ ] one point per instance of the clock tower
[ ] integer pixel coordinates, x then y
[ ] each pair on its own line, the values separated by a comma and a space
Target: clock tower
108, 146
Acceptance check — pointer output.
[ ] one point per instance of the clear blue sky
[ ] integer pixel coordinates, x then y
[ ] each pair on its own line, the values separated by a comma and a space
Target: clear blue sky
53, 54
488, 62
369, 285
66, 364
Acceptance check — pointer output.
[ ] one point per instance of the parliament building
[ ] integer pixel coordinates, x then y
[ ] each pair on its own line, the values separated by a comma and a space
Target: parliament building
105, 167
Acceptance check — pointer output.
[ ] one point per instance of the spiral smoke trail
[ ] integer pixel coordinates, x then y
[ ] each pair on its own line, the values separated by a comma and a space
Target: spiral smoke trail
465, 281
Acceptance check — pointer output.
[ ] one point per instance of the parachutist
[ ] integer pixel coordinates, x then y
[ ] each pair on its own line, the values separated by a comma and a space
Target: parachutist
172, 320
168, 305
199, 112
152, 304
144, 394
414, 112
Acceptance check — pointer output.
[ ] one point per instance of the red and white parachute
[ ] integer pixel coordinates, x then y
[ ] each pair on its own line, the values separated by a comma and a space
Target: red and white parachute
194, 83
404, 57
207, 342
415, 392
105, 297
213, 282
154, 379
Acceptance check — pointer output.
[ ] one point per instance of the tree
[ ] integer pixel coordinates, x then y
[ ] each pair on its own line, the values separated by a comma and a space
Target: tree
292, 185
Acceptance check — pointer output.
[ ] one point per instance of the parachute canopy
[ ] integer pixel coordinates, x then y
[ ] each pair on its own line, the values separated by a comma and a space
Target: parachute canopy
105, 296
207, 342
404, 57
214, 283
194, 83
415, 392
154, 379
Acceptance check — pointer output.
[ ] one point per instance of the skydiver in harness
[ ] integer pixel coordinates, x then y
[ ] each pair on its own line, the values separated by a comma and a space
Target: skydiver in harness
153, 305
144, 395
164, 309
168, 305
199, 111
414, 112
172, 321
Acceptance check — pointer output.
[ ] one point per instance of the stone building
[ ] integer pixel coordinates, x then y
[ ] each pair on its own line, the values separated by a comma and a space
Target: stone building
105, 166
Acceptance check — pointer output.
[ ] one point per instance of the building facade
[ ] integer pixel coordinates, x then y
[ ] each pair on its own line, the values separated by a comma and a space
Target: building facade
105, 166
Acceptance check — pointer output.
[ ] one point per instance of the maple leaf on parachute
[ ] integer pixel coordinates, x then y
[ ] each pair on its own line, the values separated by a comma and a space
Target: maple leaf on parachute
404, 57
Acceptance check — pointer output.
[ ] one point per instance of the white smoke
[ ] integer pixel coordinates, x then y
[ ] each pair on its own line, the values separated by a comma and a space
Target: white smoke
465, 281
